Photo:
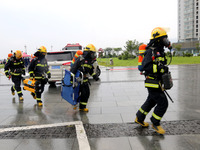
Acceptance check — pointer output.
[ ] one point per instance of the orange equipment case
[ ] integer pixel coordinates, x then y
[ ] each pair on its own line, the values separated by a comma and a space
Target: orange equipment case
29, 85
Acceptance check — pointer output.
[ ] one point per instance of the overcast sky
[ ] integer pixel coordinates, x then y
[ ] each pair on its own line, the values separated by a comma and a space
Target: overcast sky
104, 23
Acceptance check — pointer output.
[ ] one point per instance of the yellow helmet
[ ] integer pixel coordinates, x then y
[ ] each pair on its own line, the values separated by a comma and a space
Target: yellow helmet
90, 47
18, 54
158, 32
42, 49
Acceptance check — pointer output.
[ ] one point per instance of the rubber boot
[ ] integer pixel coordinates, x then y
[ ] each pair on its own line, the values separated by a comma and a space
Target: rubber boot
84, 109
143, 124
13, 93
158, 129
40, 104
21, 99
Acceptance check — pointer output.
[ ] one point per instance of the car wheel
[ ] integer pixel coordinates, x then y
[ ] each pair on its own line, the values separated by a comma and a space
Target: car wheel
52, 83
98, 71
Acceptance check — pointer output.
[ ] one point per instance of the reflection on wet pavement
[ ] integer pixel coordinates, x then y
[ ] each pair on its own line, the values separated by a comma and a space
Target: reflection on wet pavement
113, 102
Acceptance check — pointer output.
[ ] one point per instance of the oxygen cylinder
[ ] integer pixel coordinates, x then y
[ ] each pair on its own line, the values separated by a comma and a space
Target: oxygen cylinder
78, 53
142, 49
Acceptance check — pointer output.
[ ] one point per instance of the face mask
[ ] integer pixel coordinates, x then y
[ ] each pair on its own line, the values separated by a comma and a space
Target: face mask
166, 42
93, 55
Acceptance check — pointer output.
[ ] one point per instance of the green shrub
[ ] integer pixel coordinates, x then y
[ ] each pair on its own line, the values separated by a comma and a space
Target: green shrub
120, 57
187, 54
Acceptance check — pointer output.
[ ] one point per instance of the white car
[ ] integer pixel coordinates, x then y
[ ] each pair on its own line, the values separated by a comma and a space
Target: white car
58, 61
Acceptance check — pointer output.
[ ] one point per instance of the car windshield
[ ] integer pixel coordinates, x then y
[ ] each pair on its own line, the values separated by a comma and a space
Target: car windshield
60, 56
73, 48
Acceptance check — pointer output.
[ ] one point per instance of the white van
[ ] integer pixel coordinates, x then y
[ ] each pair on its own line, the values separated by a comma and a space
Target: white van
58, 61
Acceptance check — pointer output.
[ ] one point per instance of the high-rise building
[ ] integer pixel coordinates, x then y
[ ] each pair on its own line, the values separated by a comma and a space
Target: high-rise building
188, 20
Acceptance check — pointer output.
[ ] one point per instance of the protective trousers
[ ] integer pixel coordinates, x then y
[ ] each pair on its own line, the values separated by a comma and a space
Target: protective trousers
85, 93
157, 98
17, 85
39, 88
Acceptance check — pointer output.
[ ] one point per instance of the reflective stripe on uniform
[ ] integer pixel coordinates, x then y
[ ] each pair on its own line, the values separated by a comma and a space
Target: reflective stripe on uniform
139, 63
83, 103
86, 65
31, 72
15, 74
38, 99
151, 85
18, 63
93, 74
6, 71
141, 51
41, 65
76, 55
143, 112
48, 72
162, 70
160, 58
14, 87
19, 92
154, 68
148, 77
86, 80
156, 117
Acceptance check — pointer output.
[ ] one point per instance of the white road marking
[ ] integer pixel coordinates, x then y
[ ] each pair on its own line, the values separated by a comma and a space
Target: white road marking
80, 131
82, 137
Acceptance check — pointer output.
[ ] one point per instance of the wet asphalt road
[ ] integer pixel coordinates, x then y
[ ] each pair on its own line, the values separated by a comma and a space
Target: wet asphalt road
112, 106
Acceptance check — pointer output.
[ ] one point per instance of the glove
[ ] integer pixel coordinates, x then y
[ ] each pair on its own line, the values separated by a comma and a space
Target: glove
31, 76
49, 75
163, 69
95, 77
7, 74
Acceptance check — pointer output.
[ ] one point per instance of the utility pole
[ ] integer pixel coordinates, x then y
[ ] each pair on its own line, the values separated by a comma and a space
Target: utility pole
51, 48
25, 49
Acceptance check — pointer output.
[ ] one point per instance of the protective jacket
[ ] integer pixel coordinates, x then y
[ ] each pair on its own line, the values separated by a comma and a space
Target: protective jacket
154, 65
84, 64
16, 67
39, 68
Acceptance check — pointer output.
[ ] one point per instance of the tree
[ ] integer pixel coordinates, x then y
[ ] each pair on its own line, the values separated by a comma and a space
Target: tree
131, 46
117, 50
177, 47
197, 47
108, 51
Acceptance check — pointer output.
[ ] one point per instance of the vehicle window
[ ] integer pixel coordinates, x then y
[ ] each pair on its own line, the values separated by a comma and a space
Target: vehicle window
60, 56
73, 48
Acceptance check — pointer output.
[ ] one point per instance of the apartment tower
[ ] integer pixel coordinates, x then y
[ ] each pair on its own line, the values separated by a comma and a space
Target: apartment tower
188, 21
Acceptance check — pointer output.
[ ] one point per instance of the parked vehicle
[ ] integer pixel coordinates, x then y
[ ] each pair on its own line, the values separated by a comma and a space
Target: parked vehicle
58, 61
97, 70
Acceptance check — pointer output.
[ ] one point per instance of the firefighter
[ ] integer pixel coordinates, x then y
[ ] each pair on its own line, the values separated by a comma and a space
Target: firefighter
38, 69
9, 56
84, 64
154, 66
14, 68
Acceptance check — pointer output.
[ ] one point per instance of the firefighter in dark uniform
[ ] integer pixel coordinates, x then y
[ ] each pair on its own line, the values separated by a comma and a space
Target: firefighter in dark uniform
154, 65
84, 64
38, 69
14, 68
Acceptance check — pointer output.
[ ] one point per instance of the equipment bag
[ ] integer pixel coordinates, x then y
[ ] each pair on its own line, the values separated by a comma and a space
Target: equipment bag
29, 85
142, 49
70, 91
167, 81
